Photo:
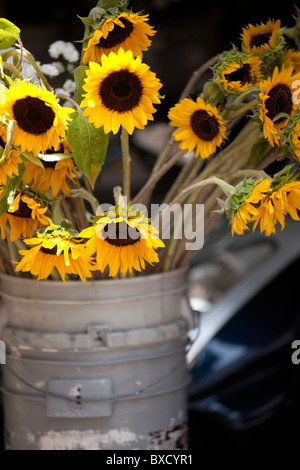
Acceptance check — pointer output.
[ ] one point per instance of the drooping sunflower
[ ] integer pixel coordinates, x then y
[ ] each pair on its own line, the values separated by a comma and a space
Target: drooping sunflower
244, 205
275, 206
120, 92
276, 96
237, 76
200, 126
41, 122
57, 249
295, 141
261, 39
128, 30
122, 242
24, 215
57, 172
10, 166
292, 58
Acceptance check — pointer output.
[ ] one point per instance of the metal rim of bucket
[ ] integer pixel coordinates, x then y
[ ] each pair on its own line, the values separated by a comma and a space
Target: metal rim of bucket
114, 282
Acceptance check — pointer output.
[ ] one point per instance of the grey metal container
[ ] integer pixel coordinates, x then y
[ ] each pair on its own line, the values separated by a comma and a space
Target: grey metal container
100, 365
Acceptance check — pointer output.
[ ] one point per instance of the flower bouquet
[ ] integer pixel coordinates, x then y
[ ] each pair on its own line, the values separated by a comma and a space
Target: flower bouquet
222, 140
53, 146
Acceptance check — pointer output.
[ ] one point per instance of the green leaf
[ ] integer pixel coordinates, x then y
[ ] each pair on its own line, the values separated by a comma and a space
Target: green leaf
257, 152
6, 39
213, 93
8, 194
253, 89
8, 81
89, 146
54, 157
79, 76
280, 116
9, 26
9, 139
29, 157
87, 21
9, 33
106, 4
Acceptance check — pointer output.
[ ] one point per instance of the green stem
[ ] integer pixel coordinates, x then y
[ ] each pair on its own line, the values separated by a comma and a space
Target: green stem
126, 163
21, 52
56, 213
84, 194
227, 188
12, 69
25, 53
248, 106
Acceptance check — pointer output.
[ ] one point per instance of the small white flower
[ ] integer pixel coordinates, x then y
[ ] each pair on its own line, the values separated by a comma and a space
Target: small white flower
66, 49
62, 91
56, 48
60, 66
28, 72
69, 86
50, 70
70, 53
70, 69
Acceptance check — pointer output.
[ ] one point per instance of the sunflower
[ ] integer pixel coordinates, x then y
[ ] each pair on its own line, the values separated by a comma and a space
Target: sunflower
274, 207
128, 30
295, 141
292, 58
238, 75
261, 39
120, 92
10, 166
56, 172
122, 242
57, 249
276, 96
245, 211
24, 215
40, 121
200, 126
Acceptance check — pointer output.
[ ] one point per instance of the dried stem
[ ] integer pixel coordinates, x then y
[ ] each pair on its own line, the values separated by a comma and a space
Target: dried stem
148, 187
126, 163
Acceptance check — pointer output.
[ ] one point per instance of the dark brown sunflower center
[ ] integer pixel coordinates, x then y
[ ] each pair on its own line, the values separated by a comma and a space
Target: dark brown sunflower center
260, 39
51, 150
121, 91
48, 164
205, 126
243, 75
279, 101
24, 211
117, 35
49, 251
33, 115
120, 234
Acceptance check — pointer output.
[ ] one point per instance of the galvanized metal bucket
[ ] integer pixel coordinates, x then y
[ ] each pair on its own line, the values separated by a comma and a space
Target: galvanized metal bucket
100, 365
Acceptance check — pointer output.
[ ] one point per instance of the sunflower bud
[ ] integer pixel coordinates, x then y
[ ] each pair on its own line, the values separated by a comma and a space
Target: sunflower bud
237, 199
212, 93
236, 72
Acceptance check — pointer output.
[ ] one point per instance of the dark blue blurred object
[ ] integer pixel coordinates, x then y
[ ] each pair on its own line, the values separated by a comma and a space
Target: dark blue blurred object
245, 389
